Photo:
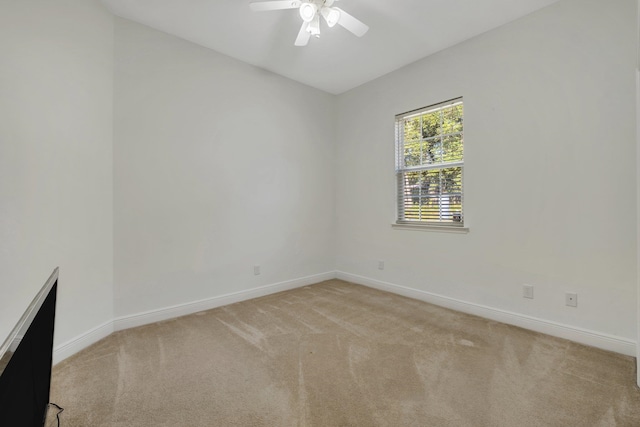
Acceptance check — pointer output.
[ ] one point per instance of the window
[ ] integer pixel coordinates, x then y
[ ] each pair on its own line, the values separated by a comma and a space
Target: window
430, 165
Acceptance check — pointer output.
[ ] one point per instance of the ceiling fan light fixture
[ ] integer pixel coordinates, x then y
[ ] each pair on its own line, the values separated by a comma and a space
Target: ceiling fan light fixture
314, 27
308, 11
331, 15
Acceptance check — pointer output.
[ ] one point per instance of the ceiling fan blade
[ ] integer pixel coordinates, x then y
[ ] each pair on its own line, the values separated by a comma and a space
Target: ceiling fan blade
303, 35
263, 6
352, 24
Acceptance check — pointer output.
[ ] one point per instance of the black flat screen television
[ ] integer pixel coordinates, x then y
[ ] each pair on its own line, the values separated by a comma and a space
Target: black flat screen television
25, 362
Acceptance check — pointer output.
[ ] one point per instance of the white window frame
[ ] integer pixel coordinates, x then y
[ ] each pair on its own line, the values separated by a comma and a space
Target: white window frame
455, 223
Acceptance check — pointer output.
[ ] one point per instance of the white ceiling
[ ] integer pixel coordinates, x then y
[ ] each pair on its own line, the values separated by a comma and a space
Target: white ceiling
401, 32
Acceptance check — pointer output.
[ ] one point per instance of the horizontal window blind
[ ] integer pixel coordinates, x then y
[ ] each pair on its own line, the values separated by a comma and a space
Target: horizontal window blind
430, 164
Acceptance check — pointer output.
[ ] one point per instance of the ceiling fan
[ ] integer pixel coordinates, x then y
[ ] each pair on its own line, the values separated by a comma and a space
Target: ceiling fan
310, 11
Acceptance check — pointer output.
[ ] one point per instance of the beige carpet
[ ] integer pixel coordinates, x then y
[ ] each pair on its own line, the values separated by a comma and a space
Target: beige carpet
338, 354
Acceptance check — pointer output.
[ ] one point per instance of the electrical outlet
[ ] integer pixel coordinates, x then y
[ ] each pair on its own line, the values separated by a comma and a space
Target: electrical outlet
380, 265
527, 291
256, 270
571, 299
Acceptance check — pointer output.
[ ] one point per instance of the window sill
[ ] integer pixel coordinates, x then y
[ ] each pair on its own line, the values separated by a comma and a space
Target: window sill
431, 228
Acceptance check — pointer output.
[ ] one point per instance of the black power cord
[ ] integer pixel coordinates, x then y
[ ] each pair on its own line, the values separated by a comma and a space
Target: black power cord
60, 410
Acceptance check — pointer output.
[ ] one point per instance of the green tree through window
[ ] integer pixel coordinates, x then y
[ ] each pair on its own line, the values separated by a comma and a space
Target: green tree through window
430, 163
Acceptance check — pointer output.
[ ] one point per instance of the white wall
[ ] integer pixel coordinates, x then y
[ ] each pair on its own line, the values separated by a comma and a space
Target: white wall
56, 89
219, 166
550, 169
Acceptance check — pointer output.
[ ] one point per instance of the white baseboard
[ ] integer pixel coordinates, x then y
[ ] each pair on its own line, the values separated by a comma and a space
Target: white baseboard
94, 335
73, 346
583, 336
139, 319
